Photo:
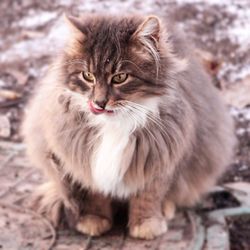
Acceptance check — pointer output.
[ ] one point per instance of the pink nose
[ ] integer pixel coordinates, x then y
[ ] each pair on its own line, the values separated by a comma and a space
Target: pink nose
101, 103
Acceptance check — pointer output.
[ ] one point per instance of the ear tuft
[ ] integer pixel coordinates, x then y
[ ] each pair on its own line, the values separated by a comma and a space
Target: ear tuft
149, 29
148, 34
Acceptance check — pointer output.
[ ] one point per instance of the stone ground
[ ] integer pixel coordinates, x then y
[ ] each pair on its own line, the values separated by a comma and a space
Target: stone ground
31, 31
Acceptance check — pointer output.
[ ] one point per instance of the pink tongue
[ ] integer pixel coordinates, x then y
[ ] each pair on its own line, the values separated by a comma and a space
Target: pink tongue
95, 110
98, 111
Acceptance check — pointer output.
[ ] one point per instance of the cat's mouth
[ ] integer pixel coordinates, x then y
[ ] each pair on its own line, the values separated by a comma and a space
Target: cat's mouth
98, 111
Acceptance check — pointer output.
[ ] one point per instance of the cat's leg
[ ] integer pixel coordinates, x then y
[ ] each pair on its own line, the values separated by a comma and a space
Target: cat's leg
146, 220
55, 195
97, 217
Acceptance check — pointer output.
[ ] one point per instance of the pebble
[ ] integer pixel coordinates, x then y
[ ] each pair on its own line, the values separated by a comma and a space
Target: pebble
5, 128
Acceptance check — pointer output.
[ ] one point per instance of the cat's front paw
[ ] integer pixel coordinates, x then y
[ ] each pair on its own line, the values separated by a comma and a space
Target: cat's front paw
149, 228
93, 225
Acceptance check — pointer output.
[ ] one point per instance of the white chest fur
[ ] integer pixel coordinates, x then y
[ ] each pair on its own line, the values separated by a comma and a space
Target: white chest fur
113, 155
112, 158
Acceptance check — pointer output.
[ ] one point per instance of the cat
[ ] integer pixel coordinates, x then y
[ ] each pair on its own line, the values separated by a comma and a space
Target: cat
126, 112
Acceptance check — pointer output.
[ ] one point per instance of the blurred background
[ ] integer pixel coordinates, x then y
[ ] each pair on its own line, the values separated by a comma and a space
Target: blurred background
32, 33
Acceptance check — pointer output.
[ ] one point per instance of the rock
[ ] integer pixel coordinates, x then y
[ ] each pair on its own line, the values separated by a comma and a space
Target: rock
5, 128
9, 94
21, 77
241, 190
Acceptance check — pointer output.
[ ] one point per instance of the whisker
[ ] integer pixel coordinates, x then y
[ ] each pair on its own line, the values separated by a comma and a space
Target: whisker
136, 116
150, 115
132, 117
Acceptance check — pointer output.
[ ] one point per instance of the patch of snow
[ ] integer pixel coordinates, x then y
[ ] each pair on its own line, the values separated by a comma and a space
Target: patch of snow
65, 2
58, 33
239, 31
243, 168
210, 2
241, 73
234, 111
234, 72
241, 131
247, 114
2, 84
50, 43
118, 7
37, 18
241, 114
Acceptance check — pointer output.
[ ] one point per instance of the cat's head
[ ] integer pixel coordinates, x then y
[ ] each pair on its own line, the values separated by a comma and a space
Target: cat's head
116, 65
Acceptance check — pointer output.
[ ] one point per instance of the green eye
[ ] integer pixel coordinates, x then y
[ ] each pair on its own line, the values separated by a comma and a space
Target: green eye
89, 77
120, 78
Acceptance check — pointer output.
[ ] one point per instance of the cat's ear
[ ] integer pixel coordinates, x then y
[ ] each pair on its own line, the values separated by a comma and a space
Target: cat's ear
75, 24
76, 37
149, 30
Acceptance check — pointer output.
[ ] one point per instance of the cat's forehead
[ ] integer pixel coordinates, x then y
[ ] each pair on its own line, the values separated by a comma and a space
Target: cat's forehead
104, 33
110, 25
107, 42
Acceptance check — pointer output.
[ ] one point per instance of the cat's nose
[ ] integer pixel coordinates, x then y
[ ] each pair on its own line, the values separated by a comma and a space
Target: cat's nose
101, 103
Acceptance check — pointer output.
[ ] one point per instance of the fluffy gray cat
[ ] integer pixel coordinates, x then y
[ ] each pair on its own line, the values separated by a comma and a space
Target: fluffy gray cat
126, 112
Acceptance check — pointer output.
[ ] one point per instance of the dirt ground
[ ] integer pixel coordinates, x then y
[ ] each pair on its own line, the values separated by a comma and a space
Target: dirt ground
31, 33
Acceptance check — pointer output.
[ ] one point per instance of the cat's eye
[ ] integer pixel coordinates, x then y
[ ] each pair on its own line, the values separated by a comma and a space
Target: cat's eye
119, 78
89, 77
